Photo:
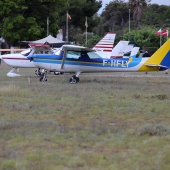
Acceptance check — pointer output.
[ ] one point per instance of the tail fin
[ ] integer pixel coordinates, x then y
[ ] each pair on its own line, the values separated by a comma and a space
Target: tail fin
134, 52
106, 43
119, 50
160, 59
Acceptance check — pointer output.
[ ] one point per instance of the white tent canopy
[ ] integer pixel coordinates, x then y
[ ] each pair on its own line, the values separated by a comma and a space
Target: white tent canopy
49, 39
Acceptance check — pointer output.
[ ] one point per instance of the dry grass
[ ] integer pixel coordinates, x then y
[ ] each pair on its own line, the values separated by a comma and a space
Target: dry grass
119, 121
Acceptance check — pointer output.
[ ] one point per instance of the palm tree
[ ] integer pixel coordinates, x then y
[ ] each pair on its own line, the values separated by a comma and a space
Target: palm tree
137, 6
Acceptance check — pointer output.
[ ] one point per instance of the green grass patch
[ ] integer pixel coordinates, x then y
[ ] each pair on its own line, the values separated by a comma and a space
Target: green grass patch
118, 121
13, 91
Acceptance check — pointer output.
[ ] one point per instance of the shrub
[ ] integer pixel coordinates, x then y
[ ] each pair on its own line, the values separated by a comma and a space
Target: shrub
160, 96
153, 130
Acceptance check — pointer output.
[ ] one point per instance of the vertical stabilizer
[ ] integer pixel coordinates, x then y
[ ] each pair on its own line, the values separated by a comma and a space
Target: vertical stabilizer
160, 59
134, 52
119, 50
106, 43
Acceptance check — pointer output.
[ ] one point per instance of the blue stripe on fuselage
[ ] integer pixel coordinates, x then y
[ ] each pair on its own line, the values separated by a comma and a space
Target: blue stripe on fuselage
98, 62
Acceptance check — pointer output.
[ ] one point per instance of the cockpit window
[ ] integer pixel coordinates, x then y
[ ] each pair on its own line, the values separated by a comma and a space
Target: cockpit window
93, 55
73, 54
26, 52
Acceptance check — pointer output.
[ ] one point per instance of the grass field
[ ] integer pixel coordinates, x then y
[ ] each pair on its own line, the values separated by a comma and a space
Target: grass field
116, 122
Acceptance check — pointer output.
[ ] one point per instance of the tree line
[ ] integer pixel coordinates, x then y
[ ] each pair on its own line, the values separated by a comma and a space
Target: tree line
22, 20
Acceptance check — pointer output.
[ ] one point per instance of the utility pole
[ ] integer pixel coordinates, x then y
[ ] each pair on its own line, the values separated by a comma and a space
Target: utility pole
86, 29
129, 20
47, 26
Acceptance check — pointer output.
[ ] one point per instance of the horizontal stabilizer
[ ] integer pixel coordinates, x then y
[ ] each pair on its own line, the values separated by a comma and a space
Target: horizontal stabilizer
156, 65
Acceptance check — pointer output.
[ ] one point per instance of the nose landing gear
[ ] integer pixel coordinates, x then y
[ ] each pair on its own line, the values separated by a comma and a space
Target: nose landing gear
38, 72
74, 79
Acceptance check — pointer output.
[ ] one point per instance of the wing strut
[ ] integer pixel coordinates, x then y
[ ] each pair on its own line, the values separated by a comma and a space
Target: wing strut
64, 57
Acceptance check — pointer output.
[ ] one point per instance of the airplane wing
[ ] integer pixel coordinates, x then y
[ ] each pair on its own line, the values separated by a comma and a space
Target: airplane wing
39, 45
41, 48
77, 48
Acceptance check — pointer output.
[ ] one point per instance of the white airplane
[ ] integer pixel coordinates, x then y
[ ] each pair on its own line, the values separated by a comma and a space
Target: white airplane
17, 60
77, 60
106, 49
20, 60
103, 48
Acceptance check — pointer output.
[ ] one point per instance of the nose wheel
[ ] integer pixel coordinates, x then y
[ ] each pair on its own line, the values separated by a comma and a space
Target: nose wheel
38, 72
74, 79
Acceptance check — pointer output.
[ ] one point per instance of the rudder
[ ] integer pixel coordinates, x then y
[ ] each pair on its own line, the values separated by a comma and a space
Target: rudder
160, 59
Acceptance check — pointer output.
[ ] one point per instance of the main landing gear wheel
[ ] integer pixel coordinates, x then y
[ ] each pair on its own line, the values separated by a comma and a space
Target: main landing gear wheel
74, 79
43, 77
56, 73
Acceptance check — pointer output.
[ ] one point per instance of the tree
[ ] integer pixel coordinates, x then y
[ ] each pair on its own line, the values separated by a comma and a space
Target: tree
26, 20
115, 17
82, 9
145, 38
155, 15
137, 6
79, 10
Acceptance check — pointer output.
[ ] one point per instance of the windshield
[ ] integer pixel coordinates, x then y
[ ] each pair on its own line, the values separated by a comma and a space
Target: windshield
93, 55
73, 54
26, 52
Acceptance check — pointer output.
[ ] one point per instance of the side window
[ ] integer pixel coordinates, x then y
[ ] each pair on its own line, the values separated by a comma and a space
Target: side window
73, 54
93, 55
26, 52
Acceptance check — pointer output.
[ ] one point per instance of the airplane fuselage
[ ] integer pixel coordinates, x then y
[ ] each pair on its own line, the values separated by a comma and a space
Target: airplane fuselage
77, 59
54, 62
17, 60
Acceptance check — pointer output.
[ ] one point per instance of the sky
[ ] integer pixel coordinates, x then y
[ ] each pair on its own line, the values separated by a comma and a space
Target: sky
160, 2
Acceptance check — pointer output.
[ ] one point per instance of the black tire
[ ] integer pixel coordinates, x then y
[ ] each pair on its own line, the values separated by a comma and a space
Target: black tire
74, 80
56, 73
41, 78
37, 72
